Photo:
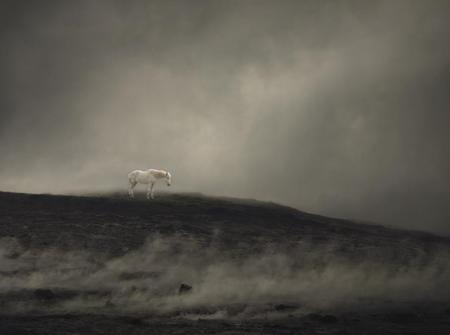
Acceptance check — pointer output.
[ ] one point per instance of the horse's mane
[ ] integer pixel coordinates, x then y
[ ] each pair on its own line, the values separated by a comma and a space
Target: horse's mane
159, 173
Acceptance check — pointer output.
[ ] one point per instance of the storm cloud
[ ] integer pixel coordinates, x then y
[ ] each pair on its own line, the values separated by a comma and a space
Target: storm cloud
335, 107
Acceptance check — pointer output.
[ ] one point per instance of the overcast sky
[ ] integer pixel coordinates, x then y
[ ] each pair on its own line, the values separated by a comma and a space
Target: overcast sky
335, 107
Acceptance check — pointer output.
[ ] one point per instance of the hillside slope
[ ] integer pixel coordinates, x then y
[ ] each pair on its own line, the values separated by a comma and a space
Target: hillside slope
110, 265
115, 225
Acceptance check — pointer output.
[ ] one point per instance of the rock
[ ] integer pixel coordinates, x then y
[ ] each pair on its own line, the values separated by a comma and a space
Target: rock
44, 294
184, 288
283, 307
329, 319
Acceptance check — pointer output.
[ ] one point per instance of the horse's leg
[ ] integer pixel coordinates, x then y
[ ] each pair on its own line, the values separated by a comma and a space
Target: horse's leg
130, 189
151, 191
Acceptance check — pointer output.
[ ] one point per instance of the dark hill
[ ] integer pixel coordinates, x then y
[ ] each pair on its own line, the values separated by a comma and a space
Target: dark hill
114, 225
192, 264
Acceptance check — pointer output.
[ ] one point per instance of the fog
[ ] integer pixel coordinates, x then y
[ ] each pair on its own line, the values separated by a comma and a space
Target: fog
335, 107
225, 284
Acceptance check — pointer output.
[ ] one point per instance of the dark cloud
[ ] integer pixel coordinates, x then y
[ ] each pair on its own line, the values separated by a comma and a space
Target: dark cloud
337, 107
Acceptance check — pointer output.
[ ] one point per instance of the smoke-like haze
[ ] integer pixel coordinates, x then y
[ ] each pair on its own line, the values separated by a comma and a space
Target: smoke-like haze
146, 280
338, 107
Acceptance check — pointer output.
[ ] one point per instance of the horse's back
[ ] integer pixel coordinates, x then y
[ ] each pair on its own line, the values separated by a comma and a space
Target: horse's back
132, 176
140, 176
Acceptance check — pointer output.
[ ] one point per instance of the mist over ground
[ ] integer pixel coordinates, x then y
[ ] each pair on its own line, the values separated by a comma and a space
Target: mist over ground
337, 107
225, 284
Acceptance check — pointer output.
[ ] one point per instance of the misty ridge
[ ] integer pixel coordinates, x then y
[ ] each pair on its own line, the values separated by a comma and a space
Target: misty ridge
225, 283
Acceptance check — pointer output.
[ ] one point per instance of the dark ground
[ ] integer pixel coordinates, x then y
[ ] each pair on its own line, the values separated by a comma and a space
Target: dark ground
80, 265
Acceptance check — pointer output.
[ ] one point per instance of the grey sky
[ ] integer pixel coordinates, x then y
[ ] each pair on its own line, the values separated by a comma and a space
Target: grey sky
336, 107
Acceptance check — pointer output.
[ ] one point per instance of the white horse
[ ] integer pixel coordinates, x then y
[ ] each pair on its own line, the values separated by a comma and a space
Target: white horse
148, 177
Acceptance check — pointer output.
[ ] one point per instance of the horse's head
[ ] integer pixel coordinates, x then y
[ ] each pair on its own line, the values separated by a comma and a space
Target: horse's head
168, 178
